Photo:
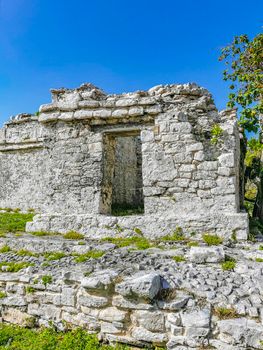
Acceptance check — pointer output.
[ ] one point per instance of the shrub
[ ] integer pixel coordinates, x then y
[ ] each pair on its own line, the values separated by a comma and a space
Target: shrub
193, 244
216, 133
259, 260
73, 235
212, 239
43, 233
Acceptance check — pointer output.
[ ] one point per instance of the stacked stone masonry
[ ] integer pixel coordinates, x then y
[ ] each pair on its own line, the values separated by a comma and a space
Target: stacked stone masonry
60, 162
141, 298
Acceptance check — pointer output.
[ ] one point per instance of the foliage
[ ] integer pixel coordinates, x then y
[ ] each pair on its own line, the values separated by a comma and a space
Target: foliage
17, 338
259, 260
193, 244
30, 290
14, 266
92, 254
224, 313
73, 235
211, 239
13, 222
244, 60
46, 279
216, 133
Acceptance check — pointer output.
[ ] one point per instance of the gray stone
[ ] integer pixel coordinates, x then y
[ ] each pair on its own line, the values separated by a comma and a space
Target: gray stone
202, 255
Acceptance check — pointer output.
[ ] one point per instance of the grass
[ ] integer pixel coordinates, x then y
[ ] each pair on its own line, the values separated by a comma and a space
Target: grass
14, 266
92, 254
224, 313
73, 235
228, 265
54, 255
2, 295
43, 233
30, 290
5, 249
193, 244
18, 338
14, 221
179, 258
25, 252
46, 279
176, 236
138, 241
259, 260
211, 239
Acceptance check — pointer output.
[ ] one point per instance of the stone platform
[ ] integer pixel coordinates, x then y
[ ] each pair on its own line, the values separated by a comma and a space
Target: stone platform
173, 294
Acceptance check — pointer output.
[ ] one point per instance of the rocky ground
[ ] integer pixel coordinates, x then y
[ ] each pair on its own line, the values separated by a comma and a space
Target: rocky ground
179, 294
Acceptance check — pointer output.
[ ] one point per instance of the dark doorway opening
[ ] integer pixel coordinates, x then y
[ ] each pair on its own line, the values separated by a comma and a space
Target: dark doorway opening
122, 189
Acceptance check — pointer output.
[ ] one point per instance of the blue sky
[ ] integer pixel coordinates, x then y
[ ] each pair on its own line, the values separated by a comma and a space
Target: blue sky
118, 45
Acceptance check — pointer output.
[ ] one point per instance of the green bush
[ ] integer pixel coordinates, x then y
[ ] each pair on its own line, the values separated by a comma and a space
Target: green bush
2, 294
179, 258
212, 239
177, 235
25, 252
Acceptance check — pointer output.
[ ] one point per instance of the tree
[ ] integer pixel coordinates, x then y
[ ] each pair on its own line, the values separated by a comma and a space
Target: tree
244, 61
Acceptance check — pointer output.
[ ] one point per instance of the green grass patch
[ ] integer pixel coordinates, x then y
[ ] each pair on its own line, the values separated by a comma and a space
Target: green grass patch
176, 236
179, 258
212, 239
43, 233
14, 266
30, 290
73, 235
92, 254
224, 313
138, 241
228, 265
46, 279
25, 252
2, 295
54, 255
14, 221
193, 244
18, 338
259, 260
5, 249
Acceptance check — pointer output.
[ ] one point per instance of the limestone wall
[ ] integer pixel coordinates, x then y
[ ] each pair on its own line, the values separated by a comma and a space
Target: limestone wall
55, 163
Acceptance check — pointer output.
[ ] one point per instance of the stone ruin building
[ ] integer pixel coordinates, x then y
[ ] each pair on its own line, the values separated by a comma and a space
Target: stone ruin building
88, 154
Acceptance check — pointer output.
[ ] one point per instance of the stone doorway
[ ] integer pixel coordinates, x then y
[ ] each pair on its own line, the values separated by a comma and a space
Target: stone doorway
122, 187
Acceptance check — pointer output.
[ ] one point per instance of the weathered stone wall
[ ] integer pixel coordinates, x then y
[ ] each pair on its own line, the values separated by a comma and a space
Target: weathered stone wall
56, 164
